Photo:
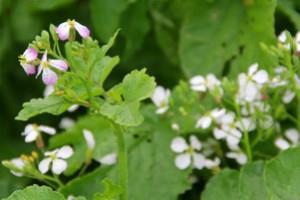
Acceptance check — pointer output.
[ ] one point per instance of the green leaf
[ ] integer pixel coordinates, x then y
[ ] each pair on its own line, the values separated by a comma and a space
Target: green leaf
138, 86
289, 8
47, 5
218, 33
111, 191
106, 16
36, 193
54, 105
282, 175
152, 172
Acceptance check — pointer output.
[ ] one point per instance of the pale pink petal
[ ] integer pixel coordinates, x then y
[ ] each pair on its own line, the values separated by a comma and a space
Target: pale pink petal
44, 165
82, 30
63, 31
30, 54
49, 76
59, 64
182, 161
29, 68
58, 166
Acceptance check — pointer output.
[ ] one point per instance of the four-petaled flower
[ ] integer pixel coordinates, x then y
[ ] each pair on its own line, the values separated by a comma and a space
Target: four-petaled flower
56, 159
26, 60
33, 131
160, 98
49, 76
63, 30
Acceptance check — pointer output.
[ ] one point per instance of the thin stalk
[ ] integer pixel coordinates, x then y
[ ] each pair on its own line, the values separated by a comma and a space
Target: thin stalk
122, 159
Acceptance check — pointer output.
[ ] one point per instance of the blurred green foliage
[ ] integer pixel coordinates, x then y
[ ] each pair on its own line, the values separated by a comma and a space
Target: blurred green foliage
174, 39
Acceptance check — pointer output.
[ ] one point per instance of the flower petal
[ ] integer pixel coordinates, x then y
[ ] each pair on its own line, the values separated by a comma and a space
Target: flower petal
58, 166
63, 31
66, 123
59, 64
182, 161
219, 133
252, 69
109, 159
29, 68
179, 145
160, 96
282, 37
49, 77
31, 136
65, 152
30, 54
199, 160
261, 77
73, 108
49, 89
195, 143
204, 122
47, 129
288, 96
209, 164
89, 138
44, 165
293, 135
82, 30
282, 144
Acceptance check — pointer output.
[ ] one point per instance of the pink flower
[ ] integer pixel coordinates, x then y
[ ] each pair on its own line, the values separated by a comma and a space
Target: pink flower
63, 30
49, 76
26, 60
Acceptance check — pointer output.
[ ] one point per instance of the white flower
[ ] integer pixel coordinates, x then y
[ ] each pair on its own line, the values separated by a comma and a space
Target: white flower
251, 83
206, 120
19, 164
108, 159
66, 123
33, 131
188, 154
288, 96
73, 108
175, 127
160, 98
209, 164
292, 139
201, 84
89, 138
297, 40
238, 156
246, 124
56, 159
283, 39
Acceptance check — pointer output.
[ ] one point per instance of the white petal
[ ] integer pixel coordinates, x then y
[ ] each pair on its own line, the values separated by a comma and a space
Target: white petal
179, 145
109, 159
82, 30
251, 91
195, 143
252, 69
49, 89
175, 126
209, 164
261, 77
49, 77
212, 81
204, 122
65, 152
31, 136
160, 96
162, 110
198, 83
232, 140
293, 135
183, 161
66, 123
47, 129
89, 138
240, 157
268, 122
73, 108
219, 133
242, 79
246, 124
228, 118
199, 161
18, 163
217, 113
58, 166
282, 37
44, 165
288, 96
28, 128
59, 64
282, 144
63, 31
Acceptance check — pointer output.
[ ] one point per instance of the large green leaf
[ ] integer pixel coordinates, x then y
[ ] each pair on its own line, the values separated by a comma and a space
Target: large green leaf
219, 33
54, 105
36, 193
275, 179
152, 173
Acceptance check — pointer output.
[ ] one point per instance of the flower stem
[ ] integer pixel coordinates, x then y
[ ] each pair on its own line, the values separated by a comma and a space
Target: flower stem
122, 158
247, 145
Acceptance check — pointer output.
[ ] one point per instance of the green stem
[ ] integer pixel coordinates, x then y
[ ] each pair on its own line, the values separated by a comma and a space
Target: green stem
247, 145
122, 159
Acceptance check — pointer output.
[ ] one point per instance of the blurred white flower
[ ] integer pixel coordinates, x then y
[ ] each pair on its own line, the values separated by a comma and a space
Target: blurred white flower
73, 108
238, 156
66, 123
189, 155
201, 84
56, 159
33, 131
288, 96
291, 139
210, 164
160, 98
297, 40
206, 120
175, 126
109, 159
283, 39
19, 164
89, 138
